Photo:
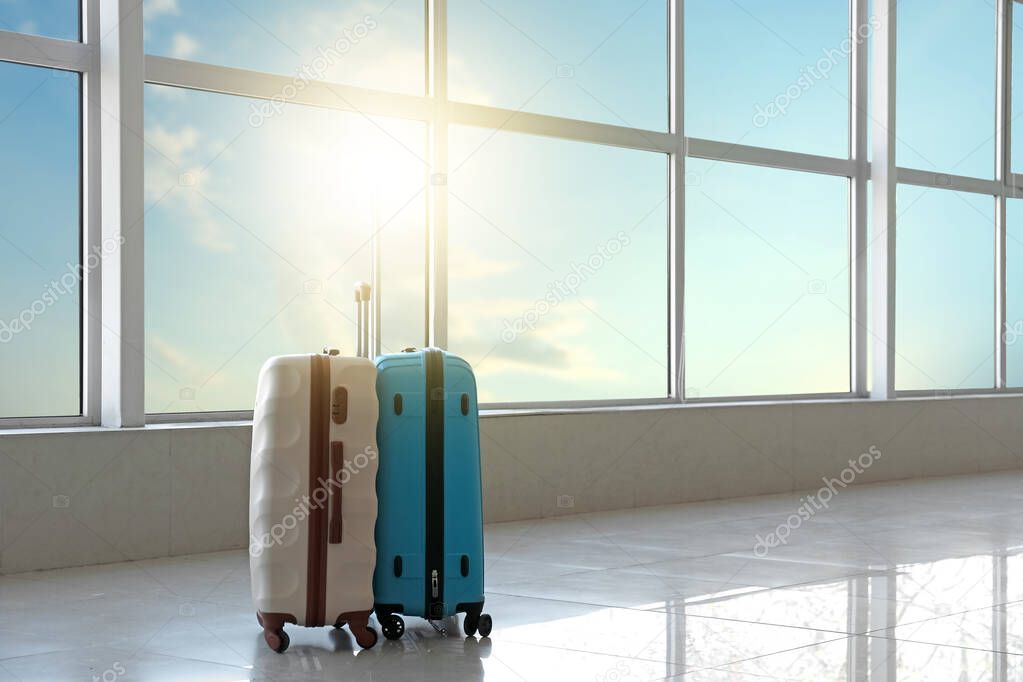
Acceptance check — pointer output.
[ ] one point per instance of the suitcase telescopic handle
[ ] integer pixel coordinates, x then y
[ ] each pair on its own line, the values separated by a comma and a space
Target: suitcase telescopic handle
362, 300
337, 460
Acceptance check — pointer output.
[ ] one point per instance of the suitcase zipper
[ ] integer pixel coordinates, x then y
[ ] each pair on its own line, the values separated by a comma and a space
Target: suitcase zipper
434, 585
319, 471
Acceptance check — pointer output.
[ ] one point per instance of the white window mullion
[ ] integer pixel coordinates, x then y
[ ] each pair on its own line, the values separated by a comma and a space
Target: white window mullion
859, 120
1000, 286
771, 158
1003, 171
437, 65
883, 175
92, 218
946, 181
121, 314
53, 53
560, 128
677, 178
229, 80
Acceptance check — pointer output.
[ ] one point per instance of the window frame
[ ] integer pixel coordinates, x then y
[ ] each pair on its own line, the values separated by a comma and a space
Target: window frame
112, 193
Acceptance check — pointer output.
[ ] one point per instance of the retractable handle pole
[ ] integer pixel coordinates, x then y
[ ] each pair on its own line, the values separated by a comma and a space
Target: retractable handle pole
358, 320
362, 314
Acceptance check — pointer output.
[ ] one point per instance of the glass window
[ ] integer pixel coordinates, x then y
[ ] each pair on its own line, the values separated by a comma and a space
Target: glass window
255, 236
50, 18
946, 86
558, 267
767, 281
1014, 293
603, 60
40, 232
1017, 86
372, 43
790, 92
944, 291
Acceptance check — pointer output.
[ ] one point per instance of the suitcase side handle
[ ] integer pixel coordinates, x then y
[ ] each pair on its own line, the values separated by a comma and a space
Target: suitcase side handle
337, 460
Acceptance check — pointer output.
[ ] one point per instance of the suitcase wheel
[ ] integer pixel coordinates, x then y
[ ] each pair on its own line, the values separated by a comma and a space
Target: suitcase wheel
470, 624
393, 627
277, 640
481, 623
366, 637
486, 624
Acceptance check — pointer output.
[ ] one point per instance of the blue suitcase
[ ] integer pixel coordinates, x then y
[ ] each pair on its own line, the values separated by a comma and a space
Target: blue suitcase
429, 529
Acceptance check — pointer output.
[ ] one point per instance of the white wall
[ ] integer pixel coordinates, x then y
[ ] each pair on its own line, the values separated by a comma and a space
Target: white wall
91, 496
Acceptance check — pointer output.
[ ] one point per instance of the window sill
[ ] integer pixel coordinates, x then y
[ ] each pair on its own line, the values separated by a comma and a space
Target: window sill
194, 421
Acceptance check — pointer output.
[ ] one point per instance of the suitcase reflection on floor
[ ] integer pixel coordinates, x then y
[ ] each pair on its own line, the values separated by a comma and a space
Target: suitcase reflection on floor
420, 649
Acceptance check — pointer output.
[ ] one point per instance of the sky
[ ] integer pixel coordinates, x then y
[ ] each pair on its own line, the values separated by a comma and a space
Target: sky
946, 86
259, 220
50, 18
39, 225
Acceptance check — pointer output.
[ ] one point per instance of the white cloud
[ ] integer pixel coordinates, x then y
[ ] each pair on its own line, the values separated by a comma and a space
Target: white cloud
177, 186
473, 80
167, 355
166, 93
183, 46
208, 229
474, 266
190, 205
569, 346
173, 144
152, 9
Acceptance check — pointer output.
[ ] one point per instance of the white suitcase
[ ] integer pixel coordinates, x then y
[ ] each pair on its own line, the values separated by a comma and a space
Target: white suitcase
312, 494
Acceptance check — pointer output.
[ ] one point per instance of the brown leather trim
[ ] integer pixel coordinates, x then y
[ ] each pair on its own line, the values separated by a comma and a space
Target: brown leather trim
272, 621
353, 616
337, 463
324, 475
319, 434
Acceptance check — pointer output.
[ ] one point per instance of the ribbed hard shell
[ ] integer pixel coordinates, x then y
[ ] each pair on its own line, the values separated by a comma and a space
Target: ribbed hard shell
279, 493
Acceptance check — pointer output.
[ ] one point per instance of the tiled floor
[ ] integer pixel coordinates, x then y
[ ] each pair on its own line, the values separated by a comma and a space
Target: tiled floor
914, 581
